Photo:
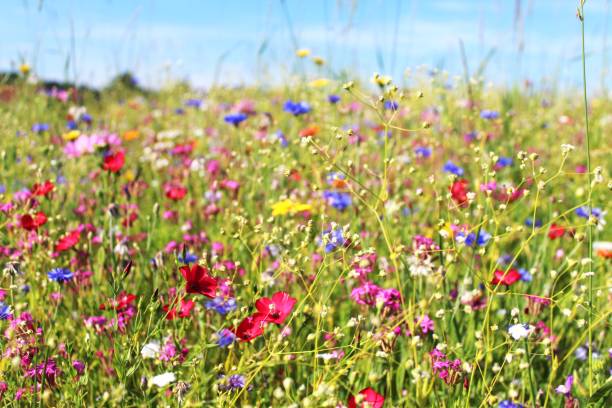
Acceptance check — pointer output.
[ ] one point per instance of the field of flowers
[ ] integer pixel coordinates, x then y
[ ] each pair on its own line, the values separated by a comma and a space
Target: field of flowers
322, 244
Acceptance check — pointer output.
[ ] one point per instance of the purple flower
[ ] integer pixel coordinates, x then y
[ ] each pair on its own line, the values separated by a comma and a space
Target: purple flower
566, 389
79, 366
282, 139
427, 325
489, 114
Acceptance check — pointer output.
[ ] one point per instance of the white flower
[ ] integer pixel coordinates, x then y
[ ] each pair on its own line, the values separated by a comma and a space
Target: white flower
519, 331
151, 350
162, 380
420, 266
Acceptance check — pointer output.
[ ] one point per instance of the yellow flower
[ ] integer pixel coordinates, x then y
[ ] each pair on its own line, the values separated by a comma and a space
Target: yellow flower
381, 80
302, 52
129, 175
24, 68
285, 207
319, 83
318, 61
73, 134
131, 135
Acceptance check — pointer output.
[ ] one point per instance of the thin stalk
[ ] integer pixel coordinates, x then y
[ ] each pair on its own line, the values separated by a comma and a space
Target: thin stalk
589, 226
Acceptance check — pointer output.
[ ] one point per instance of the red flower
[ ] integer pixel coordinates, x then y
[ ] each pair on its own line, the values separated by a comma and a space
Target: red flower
122, 302
556, 231
309, 131
507, 278
30, 223
277, 308
370, 399
43, 189
176, 192
114, 162
459, 191
183, 311
251, 327
199, 281
68, 241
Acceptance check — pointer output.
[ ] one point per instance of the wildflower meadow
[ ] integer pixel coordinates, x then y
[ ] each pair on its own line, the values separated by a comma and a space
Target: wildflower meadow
327, 242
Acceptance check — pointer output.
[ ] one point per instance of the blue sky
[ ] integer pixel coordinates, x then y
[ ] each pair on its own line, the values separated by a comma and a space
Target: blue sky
250, 41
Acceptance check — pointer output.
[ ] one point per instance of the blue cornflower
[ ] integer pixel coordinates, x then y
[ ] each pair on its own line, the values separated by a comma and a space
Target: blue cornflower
71, 125
189, 258
489, 114
583, 212
529, 222
504, 162
451, 167
332, 239
2, 189
391, 105
422, 151
296, 108
221, 305
236, 381
333, 99
509, 404
179, 111
339, 200
282, 139
40, 127
60, 274
225, 337
86, 117
525, 275
482, 239
5, 311
193, 103
235, 118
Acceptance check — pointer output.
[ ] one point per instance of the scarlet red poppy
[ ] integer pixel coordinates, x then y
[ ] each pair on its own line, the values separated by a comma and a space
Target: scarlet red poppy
507, 278
556, 231
114, 162
68, 241
183, 311
368, 398
30, 223
459, 191
309, 131
176, 192
199, 281
277, 308
250, 327
121, 302
42, 189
